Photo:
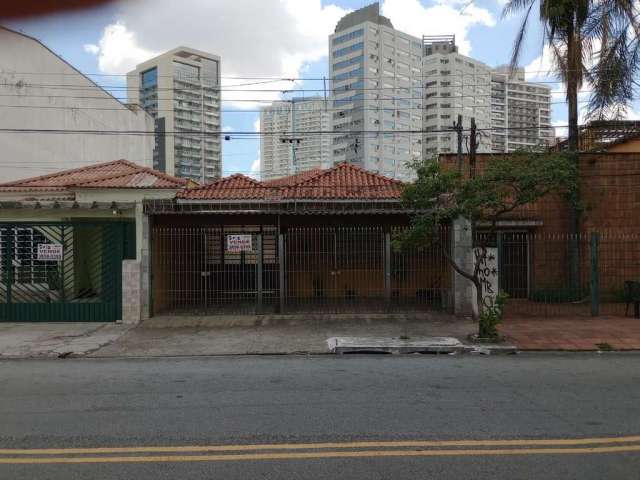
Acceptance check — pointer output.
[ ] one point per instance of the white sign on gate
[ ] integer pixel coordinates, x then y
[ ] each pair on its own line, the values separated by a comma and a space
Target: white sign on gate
49, 252
239, 243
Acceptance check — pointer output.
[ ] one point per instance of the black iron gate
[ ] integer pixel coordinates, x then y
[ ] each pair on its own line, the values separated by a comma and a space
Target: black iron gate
61, 272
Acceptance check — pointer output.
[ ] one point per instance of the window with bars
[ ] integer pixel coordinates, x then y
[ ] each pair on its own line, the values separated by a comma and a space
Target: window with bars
26, 267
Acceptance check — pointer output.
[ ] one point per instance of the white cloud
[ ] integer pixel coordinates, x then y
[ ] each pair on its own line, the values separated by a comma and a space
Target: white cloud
444, 18
541, 67
561, 129
91, 48
255, 168
269, 38
118, 50
227, 128
256, 125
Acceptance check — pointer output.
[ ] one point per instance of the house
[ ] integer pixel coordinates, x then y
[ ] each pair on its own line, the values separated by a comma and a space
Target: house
318, 241
543, 259
49, 106
71, 242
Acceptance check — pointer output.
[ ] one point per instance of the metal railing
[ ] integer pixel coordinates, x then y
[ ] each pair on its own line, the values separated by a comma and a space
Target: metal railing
566, 275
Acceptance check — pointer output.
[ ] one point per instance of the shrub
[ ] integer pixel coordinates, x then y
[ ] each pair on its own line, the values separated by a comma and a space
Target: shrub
492, 316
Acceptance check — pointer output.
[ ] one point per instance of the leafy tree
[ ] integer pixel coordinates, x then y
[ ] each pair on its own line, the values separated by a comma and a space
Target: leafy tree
590, 40
506, 183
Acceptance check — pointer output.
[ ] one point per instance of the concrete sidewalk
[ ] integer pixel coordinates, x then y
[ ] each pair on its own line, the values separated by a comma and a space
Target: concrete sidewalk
33, 340
193, 336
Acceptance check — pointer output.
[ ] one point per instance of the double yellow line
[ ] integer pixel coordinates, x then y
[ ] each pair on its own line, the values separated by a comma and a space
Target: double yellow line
305, 451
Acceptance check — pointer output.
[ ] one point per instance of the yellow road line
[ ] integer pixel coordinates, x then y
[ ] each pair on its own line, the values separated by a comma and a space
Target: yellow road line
324, 446
320, 455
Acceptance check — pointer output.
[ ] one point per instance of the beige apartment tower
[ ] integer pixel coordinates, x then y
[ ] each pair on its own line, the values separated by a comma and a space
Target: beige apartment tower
181, 90
290, 142
520, 112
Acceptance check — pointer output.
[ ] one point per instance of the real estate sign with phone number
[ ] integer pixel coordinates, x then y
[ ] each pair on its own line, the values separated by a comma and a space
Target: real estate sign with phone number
239, 243
51, 252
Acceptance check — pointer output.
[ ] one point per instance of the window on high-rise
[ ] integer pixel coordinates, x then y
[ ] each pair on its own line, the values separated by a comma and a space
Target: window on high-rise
149, 78
183, 71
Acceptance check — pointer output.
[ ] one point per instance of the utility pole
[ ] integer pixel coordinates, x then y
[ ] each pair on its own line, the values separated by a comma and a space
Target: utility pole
457, 127
473, 148
293, 139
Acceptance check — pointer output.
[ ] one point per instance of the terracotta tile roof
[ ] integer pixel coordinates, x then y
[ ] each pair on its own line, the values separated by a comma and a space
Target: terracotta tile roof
116, 174
345, 182
293, 179
342, 182
235, 187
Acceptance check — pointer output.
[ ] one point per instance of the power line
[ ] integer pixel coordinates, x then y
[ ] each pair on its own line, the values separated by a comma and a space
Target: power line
265, 78
332, 109
260, 133
249, 100
252, 90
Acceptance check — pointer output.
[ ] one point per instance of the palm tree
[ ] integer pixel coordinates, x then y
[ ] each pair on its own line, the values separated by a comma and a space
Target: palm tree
594, 41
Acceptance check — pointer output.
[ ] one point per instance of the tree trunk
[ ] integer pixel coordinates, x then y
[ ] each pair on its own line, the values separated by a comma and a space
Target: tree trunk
573, 75
480, 307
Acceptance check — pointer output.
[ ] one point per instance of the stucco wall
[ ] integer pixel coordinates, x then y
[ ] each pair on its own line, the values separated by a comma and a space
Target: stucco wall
630, 146
26, 103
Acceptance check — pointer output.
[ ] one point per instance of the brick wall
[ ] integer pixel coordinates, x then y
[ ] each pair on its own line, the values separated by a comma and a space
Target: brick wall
610, 193
610, 189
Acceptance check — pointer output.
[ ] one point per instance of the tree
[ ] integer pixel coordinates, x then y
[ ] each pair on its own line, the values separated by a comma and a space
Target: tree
590, 40
506, 183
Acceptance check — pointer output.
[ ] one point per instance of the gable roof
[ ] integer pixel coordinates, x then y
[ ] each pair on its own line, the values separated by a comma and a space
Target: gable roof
342, 182
116, 174
293, 179
235, 187
345, 182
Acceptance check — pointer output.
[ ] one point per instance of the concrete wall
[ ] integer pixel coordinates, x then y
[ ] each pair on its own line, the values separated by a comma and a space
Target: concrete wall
33, 100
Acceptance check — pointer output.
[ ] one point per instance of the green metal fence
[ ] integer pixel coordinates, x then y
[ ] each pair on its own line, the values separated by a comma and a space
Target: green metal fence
61, 272
535, 270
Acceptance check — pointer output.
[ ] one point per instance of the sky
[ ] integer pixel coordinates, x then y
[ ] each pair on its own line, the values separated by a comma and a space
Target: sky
281, 39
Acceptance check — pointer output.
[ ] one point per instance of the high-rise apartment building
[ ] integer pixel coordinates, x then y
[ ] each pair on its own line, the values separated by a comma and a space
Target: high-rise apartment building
285, 149
376, 87
181, 90
520, 112
454, 84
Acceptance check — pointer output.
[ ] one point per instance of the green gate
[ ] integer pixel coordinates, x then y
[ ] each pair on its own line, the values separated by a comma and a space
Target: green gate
61, 272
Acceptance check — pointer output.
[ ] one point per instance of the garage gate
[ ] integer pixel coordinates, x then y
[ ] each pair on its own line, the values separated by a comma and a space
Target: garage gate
201, 271
62, 272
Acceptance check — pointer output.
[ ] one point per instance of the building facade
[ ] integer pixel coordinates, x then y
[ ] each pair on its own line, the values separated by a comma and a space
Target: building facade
454, 84
181, 90
41, 91
520, 112
376, 86
285, 149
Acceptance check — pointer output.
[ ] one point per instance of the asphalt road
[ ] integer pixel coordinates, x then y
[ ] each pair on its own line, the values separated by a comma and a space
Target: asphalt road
424, 417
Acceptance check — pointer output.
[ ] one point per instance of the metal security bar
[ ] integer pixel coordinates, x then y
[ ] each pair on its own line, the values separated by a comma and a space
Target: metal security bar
195, 272
60, 272
421, 278
336, 270
199, 270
